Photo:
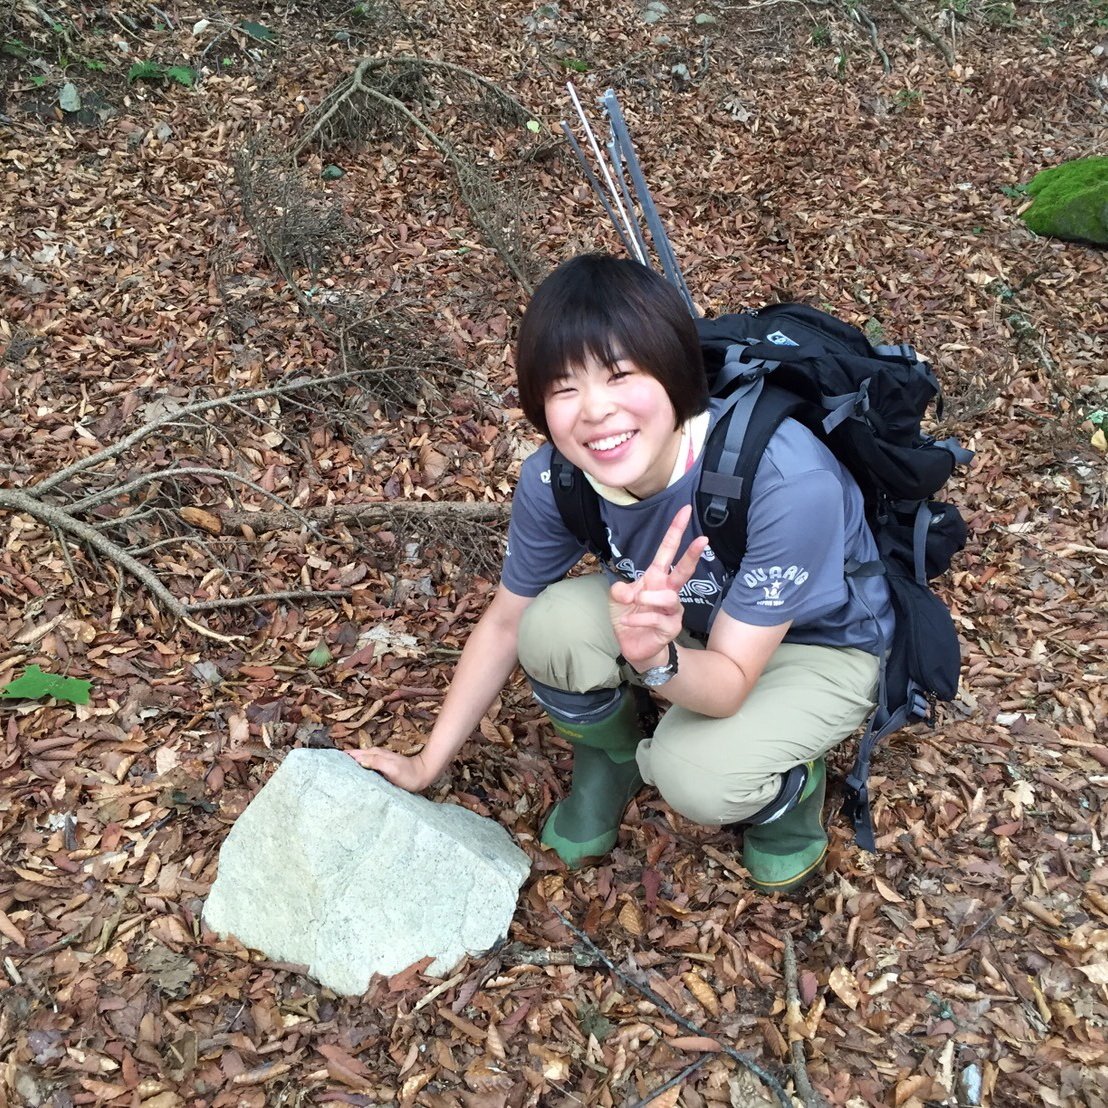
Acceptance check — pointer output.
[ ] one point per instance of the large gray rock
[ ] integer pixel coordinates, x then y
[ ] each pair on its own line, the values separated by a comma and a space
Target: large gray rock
334, 867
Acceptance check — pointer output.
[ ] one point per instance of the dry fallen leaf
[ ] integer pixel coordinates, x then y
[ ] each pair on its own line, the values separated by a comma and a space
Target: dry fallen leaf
630, 917
703, 992
844, 986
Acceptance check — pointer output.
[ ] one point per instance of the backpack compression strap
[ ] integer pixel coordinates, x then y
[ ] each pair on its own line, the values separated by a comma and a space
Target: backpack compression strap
731, 459
579, 505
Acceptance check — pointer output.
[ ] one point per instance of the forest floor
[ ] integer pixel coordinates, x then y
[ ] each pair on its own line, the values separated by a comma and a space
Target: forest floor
161, 245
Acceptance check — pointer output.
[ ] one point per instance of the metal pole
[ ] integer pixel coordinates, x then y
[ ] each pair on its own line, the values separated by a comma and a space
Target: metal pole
613, 192
662, 245
596, 187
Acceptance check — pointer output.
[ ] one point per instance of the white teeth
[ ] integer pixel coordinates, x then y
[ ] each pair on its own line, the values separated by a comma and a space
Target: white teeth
610, 443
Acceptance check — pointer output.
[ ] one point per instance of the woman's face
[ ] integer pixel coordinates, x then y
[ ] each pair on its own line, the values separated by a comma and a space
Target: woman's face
616, 423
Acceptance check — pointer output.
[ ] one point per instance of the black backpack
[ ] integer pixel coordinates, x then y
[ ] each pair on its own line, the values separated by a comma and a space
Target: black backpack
866, 403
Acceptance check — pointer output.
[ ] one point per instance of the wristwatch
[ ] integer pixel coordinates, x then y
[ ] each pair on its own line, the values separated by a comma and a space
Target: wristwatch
656, 676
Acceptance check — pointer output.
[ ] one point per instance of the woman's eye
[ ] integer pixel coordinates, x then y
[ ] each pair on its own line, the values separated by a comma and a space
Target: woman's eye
619, 374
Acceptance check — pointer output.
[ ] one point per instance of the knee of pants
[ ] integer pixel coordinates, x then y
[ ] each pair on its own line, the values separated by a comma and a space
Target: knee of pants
703, 796
566, 640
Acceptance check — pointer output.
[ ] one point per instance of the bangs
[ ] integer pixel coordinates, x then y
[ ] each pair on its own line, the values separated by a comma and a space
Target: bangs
604, 309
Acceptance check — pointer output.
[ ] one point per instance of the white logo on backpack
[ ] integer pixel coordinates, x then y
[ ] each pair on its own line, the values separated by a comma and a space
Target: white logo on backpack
779, 338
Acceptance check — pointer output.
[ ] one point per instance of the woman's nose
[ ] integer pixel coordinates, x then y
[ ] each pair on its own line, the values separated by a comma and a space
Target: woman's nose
596, 403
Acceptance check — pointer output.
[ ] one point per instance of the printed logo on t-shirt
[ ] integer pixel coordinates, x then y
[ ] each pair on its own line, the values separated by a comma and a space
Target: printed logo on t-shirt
773, 581
545, 477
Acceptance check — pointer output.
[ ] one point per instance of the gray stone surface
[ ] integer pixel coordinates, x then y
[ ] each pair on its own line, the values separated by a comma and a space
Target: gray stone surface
334, 867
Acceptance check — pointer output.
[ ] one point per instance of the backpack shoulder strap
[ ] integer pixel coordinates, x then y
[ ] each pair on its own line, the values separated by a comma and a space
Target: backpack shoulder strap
579, 505
734, 450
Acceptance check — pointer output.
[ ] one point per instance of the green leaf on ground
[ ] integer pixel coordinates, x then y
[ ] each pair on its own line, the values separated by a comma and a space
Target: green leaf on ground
35, 684
332, 172
256, 30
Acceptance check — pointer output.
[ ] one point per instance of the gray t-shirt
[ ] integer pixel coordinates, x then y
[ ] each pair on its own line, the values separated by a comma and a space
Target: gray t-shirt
806, 521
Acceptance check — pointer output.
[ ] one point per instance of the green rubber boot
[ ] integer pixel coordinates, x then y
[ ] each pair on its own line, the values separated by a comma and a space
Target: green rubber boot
782, 854
584, 826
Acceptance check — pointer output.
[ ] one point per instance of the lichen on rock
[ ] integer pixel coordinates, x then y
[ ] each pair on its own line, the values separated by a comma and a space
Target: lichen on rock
1071, 201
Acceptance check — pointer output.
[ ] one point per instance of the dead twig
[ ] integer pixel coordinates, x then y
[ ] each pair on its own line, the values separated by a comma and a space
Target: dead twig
936, 40
793, 1018
35, 501
468, 177
763, 1075
673, 1082
390, 511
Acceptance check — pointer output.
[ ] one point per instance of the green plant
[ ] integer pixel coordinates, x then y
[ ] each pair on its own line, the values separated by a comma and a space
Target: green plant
906, 97
38, 80
1000, 13
14, 48
821, 35
93, 65
575, 64
155, 71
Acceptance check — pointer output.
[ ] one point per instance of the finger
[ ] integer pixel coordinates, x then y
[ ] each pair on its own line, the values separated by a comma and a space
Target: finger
671, 540
625, 592
365, 758
651, 621
660, 600
686, 567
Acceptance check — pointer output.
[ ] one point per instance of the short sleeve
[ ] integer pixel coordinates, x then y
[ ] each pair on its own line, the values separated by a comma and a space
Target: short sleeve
541, 549
793, 569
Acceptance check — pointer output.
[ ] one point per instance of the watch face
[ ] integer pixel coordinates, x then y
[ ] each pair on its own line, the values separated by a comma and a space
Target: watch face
658, 676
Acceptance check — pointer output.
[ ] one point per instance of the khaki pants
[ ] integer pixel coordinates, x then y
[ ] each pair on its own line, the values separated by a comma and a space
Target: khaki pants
713, 771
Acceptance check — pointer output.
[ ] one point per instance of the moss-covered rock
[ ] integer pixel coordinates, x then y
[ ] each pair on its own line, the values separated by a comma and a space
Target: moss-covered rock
1071, 201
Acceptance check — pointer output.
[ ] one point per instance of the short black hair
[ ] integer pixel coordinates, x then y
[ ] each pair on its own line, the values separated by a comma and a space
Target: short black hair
609, 308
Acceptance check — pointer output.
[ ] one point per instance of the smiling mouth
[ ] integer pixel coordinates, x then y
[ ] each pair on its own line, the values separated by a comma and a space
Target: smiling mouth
611, 442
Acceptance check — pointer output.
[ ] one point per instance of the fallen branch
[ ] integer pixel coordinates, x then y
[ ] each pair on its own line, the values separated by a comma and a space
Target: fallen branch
673, 1082
936, 40
20, 501
367, 65
807, 1094
465, 174
94, 534
763, 1075
864, 19
230, 400
96, 499
390, 511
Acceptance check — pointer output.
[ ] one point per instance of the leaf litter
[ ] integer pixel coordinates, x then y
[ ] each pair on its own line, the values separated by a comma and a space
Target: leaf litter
966, 962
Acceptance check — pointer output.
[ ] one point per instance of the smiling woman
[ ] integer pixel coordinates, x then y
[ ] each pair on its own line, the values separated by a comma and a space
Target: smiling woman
616, 423
762, 671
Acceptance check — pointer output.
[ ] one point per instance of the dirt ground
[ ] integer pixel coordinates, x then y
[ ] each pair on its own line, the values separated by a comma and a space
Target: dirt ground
183, 218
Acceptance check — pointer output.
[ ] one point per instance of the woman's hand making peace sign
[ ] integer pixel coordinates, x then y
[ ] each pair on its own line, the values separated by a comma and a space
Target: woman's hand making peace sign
647, 614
